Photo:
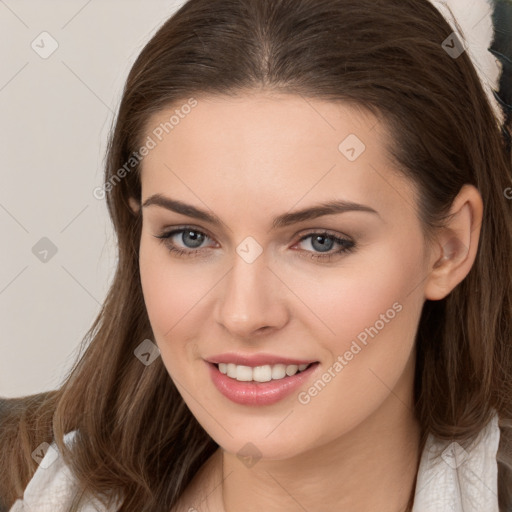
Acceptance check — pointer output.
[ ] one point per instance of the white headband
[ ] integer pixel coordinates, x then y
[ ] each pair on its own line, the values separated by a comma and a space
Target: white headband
475, 20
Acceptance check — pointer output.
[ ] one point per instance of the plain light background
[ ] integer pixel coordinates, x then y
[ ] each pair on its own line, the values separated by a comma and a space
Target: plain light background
56, 112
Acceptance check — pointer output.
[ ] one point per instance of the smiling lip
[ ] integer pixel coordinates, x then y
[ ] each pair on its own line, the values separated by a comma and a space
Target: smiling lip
256, 359
259, 393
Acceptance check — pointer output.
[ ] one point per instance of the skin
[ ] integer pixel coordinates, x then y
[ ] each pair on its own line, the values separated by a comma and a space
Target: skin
355, 445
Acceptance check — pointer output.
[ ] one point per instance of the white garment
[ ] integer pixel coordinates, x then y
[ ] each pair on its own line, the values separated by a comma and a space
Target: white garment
458, 481
52, 487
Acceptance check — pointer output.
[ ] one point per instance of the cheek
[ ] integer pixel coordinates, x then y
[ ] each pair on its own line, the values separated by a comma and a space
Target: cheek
167, 289
175, 295
373, 309
370, 288
158, 286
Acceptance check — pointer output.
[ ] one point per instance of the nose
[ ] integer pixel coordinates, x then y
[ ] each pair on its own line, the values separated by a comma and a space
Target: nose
252, 299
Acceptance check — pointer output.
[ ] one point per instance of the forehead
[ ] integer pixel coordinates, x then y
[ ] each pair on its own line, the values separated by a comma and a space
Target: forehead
275, 150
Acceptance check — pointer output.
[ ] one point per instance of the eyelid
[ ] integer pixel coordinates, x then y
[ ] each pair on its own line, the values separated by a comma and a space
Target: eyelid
184, 227
326, 231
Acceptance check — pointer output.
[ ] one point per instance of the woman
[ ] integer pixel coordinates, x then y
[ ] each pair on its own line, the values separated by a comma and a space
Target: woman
312, 303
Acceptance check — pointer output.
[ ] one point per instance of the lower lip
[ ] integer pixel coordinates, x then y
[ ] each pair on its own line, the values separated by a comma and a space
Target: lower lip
258, 393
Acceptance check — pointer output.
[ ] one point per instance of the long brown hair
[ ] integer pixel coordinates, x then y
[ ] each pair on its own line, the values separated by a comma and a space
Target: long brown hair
137, 440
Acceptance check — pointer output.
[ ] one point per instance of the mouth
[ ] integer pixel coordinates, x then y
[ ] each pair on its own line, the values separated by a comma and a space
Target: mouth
260, 385
263, 373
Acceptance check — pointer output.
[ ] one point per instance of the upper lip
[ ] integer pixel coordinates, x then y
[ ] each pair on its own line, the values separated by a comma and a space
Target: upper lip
256, 359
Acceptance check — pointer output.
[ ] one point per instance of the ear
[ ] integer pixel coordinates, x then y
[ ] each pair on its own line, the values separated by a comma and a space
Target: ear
455, 246
134, 205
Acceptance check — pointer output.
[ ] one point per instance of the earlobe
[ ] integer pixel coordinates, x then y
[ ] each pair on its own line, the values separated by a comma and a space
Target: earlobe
456, 244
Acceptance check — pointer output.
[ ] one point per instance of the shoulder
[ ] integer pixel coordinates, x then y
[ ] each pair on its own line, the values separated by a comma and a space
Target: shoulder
52, 487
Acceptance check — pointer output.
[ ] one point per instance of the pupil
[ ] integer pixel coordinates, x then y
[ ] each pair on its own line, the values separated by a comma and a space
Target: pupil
197, 238
324, 247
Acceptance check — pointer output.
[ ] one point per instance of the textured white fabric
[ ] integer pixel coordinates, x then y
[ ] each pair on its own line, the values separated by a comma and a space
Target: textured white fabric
52, 487
458, 481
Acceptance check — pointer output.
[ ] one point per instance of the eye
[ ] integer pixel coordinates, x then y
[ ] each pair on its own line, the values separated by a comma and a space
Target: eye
193, 239
324, 242
190, 237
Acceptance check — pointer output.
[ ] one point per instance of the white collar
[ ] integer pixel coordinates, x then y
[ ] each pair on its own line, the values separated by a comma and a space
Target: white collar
459, 480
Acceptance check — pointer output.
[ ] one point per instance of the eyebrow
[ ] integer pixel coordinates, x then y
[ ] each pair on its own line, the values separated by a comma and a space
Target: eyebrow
286, 219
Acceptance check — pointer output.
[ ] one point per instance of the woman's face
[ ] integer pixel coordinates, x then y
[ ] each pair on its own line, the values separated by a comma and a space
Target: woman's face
250, 285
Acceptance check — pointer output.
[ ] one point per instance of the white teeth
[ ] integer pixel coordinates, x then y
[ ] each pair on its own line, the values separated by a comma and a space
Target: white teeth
243, 373
292, 370
231, 370
263, 373
278, 371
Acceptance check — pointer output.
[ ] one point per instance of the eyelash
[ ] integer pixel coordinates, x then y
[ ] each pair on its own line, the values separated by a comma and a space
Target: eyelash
347, 245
